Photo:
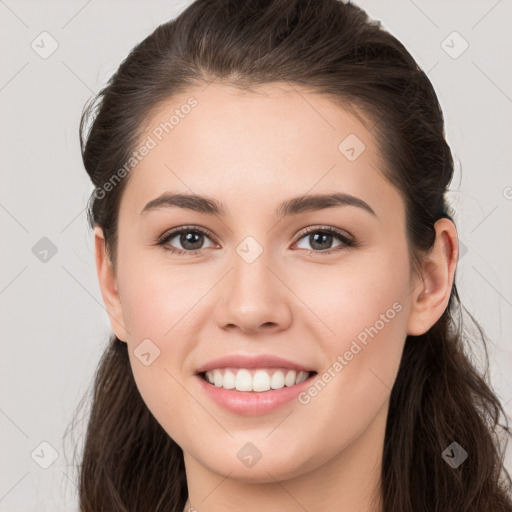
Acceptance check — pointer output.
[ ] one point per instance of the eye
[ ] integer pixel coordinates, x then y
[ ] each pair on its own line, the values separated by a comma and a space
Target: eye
191, 239
321, 239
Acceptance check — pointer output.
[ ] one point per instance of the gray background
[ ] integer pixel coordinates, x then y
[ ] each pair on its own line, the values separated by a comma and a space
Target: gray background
53, 323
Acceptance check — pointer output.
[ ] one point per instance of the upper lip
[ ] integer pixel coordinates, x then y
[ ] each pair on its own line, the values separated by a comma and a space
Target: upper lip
258, 361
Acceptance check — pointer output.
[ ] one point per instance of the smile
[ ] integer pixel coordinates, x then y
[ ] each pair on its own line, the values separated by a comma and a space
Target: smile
255, 379
255, 391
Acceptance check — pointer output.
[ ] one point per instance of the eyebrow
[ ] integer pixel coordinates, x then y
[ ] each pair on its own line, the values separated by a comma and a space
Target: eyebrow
293, 206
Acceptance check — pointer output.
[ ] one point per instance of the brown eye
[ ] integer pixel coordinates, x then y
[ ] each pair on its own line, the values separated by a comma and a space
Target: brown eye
322, 239
191, 240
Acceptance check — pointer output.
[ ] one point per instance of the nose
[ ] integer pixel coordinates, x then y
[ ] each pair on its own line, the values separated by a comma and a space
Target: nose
254, 298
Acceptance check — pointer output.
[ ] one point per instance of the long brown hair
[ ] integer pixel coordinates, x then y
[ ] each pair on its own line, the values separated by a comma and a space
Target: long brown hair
129, 463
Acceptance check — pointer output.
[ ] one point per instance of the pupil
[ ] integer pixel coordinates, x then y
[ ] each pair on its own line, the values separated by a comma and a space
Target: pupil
188, 238
324, 236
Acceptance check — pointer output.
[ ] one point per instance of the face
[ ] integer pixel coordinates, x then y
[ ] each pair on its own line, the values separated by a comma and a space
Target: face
325, 286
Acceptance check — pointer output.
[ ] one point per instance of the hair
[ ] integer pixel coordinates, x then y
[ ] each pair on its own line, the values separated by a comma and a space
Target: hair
332, 48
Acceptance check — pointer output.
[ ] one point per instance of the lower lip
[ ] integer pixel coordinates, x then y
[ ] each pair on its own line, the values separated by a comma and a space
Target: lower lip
251, 403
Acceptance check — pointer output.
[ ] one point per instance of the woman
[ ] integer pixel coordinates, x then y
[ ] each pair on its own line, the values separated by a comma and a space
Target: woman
277, 259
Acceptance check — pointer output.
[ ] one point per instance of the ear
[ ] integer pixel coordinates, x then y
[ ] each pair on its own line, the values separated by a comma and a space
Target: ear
433, 287
108, 285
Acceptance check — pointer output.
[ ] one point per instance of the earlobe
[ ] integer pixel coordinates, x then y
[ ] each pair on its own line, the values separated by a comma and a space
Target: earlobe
432, 293
108, 285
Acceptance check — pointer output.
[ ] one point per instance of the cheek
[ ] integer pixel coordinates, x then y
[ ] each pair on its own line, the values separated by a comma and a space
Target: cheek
365, 308
156, 318
366, 290
155, 297
153, 301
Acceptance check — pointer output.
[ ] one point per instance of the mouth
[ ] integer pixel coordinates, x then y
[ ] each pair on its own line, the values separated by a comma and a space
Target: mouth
255, 380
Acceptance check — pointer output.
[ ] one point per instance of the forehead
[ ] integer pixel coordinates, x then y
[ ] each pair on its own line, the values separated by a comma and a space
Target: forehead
272, 142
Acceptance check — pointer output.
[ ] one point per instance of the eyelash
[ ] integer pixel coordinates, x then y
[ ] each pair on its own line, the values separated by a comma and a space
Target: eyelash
346, 241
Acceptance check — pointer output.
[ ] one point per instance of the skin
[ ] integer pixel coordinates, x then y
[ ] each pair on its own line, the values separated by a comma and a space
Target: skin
252, 150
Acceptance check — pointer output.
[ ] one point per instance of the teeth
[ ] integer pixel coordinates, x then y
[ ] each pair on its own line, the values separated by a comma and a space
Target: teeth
243, 381
229, 380
256, 380
277, 381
